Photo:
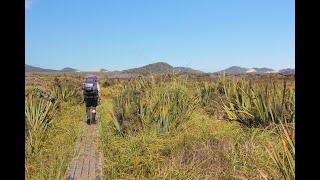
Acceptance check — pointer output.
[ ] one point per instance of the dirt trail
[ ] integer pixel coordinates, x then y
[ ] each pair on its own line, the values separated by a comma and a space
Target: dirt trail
87, 164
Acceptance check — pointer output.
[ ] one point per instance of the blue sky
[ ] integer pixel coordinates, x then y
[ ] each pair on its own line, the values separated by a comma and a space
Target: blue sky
208, 35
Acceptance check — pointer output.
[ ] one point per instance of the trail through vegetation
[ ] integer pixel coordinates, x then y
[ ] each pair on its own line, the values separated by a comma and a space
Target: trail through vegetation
53, 115
164, 127
49, 153
87, 164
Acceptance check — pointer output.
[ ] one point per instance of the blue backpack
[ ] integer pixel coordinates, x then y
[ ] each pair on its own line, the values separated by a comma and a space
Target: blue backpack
90, 89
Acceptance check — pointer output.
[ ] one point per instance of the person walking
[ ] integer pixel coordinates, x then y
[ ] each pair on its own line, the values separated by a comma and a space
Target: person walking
91, 94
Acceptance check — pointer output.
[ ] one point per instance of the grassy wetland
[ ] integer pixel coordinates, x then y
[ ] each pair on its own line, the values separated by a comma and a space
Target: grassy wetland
166, 126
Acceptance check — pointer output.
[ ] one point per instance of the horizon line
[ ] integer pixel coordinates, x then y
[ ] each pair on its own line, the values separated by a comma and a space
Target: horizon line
154, 63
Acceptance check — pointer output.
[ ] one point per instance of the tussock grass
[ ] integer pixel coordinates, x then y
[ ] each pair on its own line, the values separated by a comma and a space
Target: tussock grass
144, 105
53, 117
252, 104
38, 114
284, 155
168, 127
57, 147
201, 146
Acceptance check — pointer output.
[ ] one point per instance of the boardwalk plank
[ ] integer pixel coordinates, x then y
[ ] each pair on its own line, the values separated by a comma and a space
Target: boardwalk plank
87, 163
79, 168
72, 170
85, 169
98, 166
92, 162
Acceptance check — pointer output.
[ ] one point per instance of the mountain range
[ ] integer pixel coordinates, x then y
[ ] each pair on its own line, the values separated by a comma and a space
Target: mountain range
242, 70
162, 67
29, 68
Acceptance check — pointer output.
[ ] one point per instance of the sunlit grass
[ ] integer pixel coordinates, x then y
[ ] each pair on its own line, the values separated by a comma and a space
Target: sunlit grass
200, 146
165, 127
53, 122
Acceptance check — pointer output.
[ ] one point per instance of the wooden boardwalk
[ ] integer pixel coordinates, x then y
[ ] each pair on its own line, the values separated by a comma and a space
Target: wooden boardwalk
87, 164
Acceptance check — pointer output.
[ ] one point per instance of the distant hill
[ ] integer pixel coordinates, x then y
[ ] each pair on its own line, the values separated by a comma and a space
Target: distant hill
159, 68
242, 70
155, 68
162, 67
234, 70
264, 70
68, 69
187, 70
103, 70
29, 68
287, 71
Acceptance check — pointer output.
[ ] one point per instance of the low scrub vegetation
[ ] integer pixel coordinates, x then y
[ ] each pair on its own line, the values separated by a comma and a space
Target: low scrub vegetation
52, 126
166, 126
174, 128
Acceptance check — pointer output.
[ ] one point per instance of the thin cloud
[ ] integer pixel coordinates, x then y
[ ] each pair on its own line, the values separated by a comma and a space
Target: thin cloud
27, 4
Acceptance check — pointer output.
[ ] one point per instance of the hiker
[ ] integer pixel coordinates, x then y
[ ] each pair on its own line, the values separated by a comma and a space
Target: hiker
91, 94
